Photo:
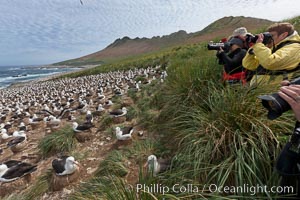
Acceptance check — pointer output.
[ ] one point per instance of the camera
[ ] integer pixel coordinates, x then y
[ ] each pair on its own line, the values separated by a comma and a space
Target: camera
252, 39
216, 46
275, 104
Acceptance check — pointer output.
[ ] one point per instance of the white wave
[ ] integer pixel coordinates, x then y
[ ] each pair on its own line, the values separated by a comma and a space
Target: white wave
6, 79
35, 75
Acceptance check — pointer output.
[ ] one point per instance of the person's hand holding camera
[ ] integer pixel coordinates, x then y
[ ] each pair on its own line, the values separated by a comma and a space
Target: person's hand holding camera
291, 94
260, 38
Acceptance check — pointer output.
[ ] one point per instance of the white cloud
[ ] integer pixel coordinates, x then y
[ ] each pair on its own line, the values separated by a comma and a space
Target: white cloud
66, 29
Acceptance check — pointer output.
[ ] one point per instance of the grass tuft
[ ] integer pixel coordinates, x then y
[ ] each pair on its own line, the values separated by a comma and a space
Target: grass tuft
59, 141
41, 186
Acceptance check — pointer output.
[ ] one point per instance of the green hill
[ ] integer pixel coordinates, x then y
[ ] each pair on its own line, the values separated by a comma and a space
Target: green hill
126, 47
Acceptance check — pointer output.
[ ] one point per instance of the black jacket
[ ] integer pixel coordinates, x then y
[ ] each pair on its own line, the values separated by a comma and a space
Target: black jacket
233, 61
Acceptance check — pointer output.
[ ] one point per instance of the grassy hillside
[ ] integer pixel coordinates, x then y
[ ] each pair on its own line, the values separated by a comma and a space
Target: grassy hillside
215, 138
214, 135
127, 47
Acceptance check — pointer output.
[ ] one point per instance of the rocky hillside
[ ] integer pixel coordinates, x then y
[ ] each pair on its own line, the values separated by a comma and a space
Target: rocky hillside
126, 47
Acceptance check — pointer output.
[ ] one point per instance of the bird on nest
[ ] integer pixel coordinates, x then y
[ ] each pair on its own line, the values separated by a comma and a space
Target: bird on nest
4, 136
22, 127
35, 119
100, 108
7, 126
81, 127
65, 171
108, 104
65, 165
54, 120
125, 133
118, 112
156, 166
89, 117
18, 142
13, 170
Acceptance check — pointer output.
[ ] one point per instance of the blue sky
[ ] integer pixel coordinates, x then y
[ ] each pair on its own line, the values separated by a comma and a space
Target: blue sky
36, 32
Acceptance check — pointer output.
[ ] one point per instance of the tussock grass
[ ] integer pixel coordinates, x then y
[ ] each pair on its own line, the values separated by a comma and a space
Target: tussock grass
140, 150
110, 131
107, 187
113, 164
59, 141
131, 113
117, 100
105, 122
132, 94
219, 134
41, 186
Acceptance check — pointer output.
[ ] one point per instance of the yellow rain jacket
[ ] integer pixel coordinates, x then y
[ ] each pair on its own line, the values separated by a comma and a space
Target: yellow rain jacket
285, 58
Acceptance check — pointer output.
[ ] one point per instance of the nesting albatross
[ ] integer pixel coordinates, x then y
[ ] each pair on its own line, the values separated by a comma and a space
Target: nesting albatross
11, 171
118, 112
156, 166
64, 165
66, 170
125, 133
81, 127
18, 142
89, 117
82, 131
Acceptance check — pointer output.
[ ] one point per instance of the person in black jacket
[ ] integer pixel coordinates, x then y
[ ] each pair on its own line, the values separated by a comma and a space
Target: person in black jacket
232, 61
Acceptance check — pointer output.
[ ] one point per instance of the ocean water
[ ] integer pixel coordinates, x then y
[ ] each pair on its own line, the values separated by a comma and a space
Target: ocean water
14, 74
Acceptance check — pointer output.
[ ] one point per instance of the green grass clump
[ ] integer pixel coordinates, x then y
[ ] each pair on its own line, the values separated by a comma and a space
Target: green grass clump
113, 164
131, 113
140, 150
41, 186
105, 122
59, 141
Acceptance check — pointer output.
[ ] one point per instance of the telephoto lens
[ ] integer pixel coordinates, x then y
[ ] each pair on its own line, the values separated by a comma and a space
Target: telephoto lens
252, 39
217, 45
275, 104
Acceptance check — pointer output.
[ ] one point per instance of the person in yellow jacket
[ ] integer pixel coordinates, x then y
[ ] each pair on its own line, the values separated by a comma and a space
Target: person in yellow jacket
276, 61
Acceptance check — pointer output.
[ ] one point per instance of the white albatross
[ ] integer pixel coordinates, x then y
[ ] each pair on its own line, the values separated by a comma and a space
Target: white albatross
65, 165
118, 112
81, 127
155, 165
11, 171
125, 133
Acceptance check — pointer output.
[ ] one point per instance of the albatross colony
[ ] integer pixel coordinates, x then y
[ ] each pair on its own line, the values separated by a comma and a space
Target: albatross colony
38, 105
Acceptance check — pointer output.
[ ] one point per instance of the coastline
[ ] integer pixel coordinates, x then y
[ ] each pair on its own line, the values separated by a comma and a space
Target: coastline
50, 77
56, 66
